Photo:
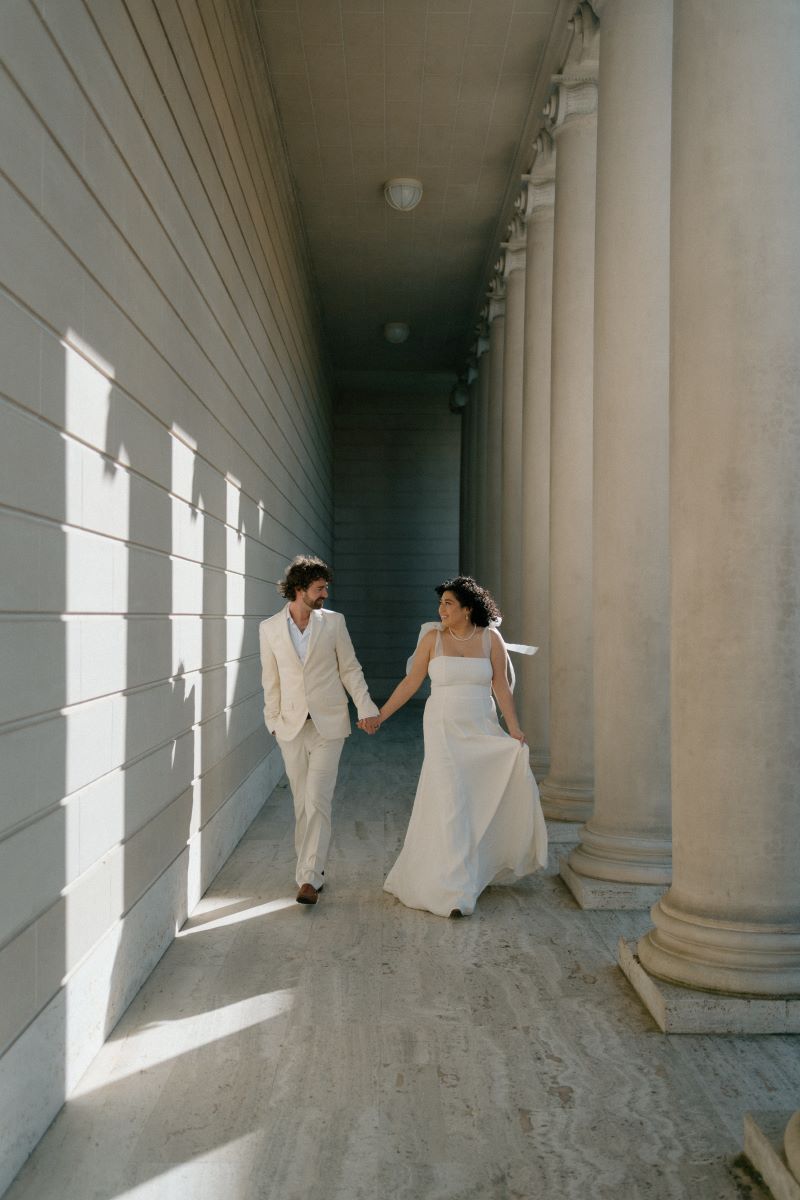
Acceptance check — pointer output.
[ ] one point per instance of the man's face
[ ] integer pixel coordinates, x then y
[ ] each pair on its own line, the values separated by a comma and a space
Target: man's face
315, 594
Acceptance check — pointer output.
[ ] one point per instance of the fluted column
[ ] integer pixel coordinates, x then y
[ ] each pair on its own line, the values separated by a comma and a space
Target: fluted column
730, 923
567, 791
513, 268
534, 673
624, 856
481, 460
494, 436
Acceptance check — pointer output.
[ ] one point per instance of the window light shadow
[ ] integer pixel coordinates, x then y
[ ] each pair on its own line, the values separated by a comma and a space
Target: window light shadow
160, 1043
233, 914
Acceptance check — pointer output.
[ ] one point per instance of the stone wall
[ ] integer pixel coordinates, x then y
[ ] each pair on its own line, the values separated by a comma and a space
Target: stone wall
165, 447
397, 465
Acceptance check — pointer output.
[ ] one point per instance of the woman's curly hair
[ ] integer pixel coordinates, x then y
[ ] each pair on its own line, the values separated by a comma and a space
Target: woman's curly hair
301, 572
469, 594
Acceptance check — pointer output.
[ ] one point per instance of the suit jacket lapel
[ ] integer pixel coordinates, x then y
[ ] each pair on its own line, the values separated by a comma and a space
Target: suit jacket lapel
317, 621
285, 635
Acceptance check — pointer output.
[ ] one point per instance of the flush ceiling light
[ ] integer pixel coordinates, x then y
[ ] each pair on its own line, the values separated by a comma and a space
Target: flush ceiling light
396, 332
403, 194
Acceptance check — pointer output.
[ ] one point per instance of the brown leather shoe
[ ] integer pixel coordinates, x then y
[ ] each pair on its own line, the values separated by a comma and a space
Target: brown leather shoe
307, 894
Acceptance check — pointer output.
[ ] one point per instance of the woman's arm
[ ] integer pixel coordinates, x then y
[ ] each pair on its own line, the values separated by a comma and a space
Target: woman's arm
501, 689
413, 680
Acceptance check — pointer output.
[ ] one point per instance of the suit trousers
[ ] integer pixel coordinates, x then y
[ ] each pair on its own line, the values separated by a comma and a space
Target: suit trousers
312, 763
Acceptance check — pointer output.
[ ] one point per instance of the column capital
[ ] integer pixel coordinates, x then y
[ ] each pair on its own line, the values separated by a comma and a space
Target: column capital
539, 185
512, 257
583, 54
574, 93
459, 396
497, 298
482, 344
543, 166
470, 371
570, 100
481, 333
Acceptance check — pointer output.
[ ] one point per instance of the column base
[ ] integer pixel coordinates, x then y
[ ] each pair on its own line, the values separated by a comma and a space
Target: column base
684, 1010
623, 858
566, 802
764, 1148
607, 893
711, 954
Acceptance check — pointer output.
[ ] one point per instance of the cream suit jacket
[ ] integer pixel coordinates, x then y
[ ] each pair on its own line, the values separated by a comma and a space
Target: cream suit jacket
294, 690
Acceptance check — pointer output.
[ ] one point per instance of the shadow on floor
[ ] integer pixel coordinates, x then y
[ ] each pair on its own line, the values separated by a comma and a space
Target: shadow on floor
360, 1049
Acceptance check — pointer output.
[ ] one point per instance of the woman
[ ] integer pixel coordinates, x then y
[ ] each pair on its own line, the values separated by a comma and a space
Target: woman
476, 818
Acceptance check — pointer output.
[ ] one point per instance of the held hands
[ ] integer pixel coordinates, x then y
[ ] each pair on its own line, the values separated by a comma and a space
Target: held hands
369, 724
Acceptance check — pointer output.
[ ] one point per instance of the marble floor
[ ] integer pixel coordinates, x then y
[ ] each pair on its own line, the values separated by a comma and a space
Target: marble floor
359, 1049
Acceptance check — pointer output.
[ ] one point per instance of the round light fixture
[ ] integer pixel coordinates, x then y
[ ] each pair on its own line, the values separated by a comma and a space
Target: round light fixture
396, 332
403, 194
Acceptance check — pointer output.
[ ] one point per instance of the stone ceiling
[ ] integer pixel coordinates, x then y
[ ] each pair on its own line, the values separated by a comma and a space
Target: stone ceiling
443, 90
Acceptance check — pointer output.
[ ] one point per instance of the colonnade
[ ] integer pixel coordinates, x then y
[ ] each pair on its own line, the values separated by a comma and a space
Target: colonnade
636, 489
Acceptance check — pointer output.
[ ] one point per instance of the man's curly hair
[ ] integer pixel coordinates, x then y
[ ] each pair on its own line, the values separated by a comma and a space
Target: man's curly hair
469, 594
301, 572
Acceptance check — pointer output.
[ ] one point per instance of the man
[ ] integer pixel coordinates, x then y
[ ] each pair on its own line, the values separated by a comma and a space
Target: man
307, 662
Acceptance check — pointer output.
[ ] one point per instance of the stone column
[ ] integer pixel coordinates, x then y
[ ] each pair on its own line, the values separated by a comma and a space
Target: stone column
534, 673
513, 268
730, 923
481, 462
624, 856
494, 436
568, 789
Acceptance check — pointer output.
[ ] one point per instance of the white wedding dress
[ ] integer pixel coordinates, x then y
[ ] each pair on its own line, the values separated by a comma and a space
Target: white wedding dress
476, 818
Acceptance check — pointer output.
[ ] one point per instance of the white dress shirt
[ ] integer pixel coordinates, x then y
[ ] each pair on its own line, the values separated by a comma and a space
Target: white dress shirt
300, 640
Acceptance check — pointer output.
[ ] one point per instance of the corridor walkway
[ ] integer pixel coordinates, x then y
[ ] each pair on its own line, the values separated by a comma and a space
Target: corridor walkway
363, 1050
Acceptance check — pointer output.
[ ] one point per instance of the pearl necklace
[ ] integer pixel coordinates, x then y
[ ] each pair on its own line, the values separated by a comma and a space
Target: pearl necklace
459, 638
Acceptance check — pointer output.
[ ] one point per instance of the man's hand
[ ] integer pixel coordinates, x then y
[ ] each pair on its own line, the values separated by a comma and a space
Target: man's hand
369, 724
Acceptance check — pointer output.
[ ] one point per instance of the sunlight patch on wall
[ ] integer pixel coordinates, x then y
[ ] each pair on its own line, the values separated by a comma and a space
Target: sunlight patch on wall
235, 577
187, 565
97, 521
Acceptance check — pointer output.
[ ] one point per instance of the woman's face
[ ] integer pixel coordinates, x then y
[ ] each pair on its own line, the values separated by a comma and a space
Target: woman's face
450, 611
